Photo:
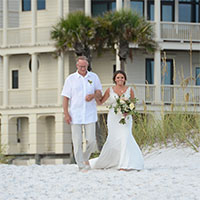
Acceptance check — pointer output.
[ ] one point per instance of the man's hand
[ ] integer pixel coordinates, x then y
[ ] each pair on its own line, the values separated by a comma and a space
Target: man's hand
68, 118
89, 97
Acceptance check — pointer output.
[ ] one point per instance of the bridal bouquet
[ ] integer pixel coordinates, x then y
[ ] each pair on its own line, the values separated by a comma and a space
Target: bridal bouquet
125, 107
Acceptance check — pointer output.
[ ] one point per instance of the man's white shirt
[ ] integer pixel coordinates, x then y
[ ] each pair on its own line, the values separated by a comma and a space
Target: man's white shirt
76, 88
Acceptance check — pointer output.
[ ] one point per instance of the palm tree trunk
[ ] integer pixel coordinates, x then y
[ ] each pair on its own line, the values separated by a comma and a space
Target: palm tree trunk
122, 64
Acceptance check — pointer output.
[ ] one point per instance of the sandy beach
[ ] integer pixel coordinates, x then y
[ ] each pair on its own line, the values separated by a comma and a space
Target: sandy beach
170, 173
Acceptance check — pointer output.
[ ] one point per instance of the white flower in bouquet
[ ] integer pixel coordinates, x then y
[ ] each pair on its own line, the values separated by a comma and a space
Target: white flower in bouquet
126, 107
122, 101
132, 106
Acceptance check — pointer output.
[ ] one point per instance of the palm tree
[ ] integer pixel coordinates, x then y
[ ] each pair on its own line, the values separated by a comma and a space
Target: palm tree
75, 32
124, 27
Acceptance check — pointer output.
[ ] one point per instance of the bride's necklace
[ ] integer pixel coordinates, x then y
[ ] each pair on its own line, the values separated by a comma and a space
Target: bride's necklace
121, 90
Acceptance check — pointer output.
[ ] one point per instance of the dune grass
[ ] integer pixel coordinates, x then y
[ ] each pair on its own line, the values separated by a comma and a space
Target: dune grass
3, 159
176, 128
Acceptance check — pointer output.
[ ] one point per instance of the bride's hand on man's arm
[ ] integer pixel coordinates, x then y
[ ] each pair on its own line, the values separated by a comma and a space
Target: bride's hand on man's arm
89, 97
96, 95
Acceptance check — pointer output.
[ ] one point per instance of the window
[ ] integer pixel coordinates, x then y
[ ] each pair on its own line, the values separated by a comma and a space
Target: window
150, 10
101, 6
167, 10
26, 5
149, 71
138, 6
41, 4
15, 79
189, 11
167, 78
197, 75
30, 65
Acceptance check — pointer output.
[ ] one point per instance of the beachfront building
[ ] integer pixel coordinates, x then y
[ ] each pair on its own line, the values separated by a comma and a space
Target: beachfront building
31, 78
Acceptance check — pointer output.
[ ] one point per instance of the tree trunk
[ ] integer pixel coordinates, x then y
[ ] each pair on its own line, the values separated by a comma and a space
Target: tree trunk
122, 64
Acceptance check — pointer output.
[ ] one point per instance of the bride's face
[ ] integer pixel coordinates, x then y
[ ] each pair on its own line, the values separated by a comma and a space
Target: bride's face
120, 79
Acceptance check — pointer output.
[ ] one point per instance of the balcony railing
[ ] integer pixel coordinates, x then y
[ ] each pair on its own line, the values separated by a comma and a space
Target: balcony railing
47, 96
1, 98
23, 36
1, 37
144, 93
180, 31
169, 31
180, 95
19, 97
18, 36
43, 35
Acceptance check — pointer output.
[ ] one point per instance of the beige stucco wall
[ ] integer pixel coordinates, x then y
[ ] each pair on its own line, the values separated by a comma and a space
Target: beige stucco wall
46, 17
1, 74
13, 13
48, 69
21, 63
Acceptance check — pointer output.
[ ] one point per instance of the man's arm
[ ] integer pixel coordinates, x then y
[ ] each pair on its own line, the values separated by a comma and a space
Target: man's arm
68, 118
98, 94
104, 98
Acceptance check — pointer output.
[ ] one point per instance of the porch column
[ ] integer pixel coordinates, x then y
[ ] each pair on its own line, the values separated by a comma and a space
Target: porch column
5, 22
117, 60
118, 5
176, 11
33, 136
5, 80
88, 7
67, 65
34, 68
63, 141
145, 9
157, 76
33, 133
34, 21
60, 8
157, 18
60, 77
127, 4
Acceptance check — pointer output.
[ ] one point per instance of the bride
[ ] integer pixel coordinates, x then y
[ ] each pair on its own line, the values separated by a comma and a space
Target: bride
120, 150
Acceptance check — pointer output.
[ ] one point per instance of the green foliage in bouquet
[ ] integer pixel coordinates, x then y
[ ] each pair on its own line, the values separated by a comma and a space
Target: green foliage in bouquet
126, 107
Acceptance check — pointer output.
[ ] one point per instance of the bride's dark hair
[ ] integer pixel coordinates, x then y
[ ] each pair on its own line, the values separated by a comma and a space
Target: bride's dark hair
119, 72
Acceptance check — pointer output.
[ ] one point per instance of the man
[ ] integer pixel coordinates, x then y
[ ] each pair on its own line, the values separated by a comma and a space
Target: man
79, 91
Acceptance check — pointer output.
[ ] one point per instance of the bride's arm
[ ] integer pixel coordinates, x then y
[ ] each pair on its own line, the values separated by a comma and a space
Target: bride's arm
104, 98
132, 94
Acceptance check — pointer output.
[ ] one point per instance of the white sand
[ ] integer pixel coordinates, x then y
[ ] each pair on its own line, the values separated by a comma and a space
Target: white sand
169, 174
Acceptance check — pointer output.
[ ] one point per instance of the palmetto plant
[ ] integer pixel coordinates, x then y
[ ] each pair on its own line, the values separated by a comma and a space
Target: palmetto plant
75, 32
82, 33
126, 27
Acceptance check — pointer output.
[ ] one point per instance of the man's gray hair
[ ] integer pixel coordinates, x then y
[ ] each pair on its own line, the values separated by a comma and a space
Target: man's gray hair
82, 58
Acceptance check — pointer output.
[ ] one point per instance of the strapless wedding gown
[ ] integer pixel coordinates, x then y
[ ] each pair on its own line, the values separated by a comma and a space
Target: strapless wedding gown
120, 150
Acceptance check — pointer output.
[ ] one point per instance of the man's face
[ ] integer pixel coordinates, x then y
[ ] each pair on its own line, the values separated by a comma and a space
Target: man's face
82, 66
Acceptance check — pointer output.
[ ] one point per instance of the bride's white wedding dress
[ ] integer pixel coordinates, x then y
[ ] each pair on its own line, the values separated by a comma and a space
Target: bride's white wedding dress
120, 150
